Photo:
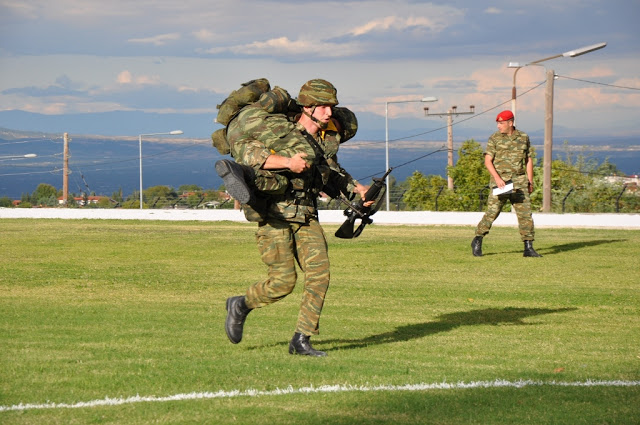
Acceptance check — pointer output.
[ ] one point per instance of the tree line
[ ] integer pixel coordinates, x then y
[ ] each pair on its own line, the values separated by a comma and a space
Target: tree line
186, 196
578, 185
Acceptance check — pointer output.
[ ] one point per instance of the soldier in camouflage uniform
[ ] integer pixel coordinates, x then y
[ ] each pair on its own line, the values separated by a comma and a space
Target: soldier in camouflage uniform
241, 135
508, 158
288, 227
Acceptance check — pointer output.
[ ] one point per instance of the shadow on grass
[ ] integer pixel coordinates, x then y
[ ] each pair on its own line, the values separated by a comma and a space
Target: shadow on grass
562, 248
579, 245
446, 323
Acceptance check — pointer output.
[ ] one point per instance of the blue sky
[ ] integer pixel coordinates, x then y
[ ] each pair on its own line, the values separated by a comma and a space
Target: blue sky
79, 56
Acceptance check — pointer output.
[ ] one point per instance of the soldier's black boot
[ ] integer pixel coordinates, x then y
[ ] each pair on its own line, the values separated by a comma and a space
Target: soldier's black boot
237, 312
236, 177
300, 344
476, 246
529, 251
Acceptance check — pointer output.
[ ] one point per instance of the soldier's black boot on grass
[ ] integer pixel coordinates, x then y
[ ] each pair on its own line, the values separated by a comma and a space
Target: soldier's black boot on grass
235, 177
300, 344
476, 246
237, 312
529, 251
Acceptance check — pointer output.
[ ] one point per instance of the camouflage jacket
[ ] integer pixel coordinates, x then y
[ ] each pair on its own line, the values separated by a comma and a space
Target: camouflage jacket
510, 155
255, 134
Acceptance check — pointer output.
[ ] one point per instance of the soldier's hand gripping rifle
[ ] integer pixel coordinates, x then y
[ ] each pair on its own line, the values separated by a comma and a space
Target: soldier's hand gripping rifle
358, 211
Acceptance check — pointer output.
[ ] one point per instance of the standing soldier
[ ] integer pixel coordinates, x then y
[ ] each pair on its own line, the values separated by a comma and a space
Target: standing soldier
288, 227
508, 159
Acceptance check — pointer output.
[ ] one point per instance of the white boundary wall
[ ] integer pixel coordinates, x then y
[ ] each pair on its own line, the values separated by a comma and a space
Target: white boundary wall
606, 221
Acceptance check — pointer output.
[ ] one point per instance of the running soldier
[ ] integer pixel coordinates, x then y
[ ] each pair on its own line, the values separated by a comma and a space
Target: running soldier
288, 227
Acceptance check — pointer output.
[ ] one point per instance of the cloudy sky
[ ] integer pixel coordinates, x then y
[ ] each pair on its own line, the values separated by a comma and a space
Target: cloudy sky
70, 56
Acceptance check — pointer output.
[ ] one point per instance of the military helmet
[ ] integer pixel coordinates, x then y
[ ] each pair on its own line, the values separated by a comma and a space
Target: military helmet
317, 92
348, 122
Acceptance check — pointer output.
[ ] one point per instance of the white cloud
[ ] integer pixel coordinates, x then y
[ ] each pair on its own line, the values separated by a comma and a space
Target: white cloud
397, 23
282, 46
125, 77
166, 53
204, 35
493, 11
158, 40
20, 9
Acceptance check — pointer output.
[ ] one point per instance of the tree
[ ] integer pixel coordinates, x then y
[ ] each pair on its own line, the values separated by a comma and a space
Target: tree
45, 194
117, 196
160, 196
423, 191
470, 177
189, 188
578, 185
104, 202
5, 202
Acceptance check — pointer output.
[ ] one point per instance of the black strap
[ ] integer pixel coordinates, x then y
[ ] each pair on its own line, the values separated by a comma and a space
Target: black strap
314, 145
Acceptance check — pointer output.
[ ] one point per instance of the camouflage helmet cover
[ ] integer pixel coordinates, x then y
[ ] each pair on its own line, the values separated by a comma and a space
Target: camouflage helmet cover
317, 92
348, 122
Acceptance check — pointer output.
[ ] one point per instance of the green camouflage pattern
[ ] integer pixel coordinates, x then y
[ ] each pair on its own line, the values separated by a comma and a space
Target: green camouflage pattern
521, 202
255, 134
348, 123
278, 101
510, 154
289, 231
219, 141
249, 93
317, 92
281, 246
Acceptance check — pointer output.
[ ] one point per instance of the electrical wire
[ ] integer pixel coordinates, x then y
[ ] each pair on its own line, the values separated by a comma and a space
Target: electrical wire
595, 82
444, 127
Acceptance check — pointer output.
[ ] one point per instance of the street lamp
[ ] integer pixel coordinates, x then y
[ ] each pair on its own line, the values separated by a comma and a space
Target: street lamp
174, 132
386, 129
569, 54
548, 127
28, 155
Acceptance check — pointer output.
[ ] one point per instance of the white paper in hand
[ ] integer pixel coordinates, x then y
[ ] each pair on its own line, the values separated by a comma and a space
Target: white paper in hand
508, 188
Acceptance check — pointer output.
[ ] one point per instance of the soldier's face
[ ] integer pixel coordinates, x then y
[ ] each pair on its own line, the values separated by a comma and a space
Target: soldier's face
505, 127
323, 113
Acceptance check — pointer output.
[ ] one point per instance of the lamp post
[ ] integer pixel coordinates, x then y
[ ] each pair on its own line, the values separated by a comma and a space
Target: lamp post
174, 132
12, 157
386, 129
548, 127
570, 54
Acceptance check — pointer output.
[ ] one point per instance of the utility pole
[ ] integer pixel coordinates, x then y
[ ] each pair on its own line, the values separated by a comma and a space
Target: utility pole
548, 143
450, 113
65, 172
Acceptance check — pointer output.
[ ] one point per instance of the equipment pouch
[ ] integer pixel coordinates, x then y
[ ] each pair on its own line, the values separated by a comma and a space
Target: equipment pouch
219, 140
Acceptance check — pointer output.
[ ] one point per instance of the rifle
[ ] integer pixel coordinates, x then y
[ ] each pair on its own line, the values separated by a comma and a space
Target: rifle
348, 230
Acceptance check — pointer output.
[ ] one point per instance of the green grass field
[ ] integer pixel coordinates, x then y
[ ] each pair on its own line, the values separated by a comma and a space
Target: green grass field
94, 309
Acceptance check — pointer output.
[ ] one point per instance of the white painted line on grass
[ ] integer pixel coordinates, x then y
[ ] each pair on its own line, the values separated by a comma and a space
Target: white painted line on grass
312, 390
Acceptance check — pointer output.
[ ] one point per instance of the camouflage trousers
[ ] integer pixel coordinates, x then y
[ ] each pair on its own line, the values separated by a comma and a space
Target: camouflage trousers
282, 245
521, 203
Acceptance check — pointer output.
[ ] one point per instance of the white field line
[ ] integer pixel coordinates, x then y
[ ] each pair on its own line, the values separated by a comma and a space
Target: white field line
312, 390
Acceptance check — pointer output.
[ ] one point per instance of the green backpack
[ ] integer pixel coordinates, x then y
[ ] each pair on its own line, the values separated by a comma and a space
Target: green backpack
249, 93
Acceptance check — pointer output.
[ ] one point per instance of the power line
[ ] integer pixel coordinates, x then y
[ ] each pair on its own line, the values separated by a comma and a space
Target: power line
602, 84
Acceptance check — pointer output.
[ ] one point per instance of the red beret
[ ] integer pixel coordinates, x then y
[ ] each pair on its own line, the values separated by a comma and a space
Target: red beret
504, 116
